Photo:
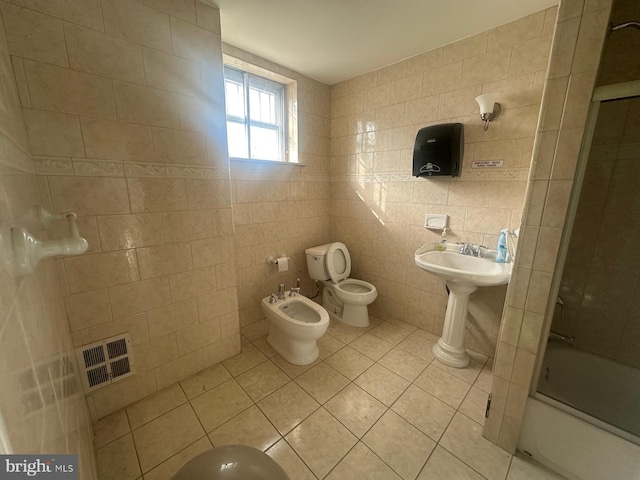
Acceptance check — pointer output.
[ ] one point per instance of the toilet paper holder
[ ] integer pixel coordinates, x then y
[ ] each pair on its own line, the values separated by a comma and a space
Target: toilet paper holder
271, 260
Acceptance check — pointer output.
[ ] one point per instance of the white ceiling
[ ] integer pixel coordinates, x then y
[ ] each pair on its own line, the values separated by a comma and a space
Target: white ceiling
335, 40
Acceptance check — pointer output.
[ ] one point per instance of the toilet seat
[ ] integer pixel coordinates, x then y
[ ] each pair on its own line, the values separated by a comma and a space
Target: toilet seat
338, 262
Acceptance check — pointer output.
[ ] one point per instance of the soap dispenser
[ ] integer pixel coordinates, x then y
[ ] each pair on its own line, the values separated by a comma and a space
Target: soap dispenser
502, 252
443, 240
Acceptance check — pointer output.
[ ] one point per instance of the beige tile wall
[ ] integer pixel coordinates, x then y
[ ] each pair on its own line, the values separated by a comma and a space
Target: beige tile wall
579, 37
124, 112
378, 208
42, 407
280, 208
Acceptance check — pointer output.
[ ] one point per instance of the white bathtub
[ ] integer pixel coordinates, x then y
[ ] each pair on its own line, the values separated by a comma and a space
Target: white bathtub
571, 442
597, 386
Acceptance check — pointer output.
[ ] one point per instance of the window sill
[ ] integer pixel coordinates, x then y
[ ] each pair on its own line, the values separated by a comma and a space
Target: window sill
250, 161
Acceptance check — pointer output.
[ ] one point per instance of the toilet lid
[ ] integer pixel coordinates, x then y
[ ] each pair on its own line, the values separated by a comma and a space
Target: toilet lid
338, 262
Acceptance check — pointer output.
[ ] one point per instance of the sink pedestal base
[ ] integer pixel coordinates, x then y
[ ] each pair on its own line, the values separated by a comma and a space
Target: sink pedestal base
450, 347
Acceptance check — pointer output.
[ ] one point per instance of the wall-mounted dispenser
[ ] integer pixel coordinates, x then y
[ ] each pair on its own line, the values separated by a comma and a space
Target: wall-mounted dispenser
438, 150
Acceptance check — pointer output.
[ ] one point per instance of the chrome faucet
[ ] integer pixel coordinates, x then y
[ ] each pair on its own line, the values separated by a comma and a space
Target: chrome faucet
472, 250
294, 291
281, 291
272, 298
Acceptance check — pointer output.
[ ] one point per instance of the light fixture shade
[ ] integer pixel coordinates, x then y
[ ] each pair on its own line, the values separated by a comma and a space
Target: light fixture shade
487, 102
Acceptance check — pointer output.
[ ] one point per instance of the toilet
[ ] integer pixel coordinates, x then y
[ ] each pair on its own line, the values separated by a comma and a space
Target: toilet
344, 298
295, 325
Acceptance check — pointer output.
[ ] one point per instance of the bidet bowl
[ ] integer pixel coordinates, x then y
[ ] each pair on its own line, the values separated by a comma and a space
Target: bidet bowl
456, 268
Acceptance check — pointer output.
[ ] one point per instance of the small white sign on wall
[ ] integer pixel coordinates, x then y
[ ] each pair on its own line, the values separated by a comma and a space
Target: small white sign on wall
487, 164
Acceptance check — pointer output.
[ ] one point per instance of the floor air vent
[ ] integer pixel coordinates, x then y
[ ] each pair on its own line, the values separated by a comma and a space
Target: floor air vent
105, 362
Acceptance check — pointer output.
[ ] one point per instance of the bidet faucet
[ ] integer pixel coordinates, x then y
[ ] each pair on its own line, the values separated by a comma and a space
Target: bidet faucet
294, 291
281, 291
272, 298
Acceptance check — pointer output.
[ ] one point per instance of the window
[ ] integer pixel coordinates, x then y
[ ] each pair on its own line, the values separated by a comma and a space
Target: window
256, 121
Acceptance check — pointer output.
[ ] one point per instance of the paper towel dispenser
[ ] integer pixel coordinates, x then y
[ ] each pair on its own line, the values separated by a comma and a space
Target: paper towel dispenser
438, 150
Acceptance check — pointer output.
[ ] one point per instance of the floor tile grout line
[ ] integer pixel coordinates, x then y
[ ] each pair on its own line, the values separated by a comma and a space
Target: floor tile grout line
169, 411
116, 438
322, 405
236, 414
437, 442
463, 462
177, 453
282, 437
350, 450
133, 440
127, 414
359, 439
457, 409
207, 391
298, 455
387, 409
149, 397
456, 456
196, 414
427, 460
291, 380
506, 476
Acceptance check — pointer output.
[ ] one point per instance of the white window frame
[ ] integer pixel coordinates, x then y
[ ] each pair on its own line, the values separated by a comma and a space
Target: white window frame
288, 111
249, 80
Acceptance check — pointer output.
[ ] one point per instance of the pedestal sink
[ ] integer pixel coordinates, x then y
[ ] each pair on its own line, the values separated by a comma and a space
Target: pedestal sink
463, 274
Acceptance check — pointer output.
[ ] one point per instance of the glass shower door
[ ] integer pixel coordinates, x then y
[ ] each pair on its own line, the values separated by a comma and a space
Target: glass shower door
592, 359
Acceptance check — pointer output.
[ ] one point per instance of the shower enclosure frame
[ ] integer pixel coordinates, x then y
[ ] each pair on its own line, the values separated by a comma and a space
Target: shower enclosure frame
601, 94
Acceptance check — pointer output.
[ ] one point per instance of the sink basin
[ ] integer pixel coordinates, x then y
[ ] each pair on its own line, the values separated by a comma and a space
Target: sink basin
464, 274
457, 268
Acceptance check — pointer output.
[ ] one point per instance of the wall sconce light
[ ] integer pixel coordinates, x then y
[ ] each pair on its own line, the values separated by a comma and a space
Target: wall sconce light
489, 108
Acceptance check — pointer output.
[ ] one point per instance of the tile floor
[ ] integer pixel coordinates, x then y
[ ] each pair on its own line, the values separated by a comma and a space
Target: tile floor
376, 405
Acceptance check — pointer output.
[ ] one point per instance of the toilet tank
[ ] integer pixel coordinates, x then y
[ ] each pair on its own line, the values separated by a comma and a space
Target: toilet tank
316, 262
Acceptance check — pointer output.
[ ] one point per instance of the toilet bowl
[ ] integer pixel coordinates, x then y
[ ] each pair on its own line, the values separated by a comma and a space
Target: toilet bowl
345, 299
295, 325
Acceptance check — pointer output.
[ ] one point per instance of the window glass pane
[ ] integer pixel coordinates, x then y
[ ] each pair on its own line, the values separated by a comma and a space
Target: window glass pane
261, 99
263, 106
234, 97
237, 138
264, 143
